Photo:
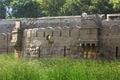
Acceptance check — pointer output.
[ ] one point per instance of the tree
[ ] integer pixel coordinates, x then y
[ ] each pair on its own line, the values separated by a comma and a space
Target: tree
72, 7
52, 7
116, 5
101, 7
85, 6
75, 7
26, 8
2, 10
5, 8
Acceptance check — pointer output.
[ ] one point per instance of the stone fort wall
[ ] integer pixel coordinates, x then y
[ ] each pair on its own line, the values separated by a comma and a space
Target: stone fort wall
70, 35
70, 32
6, 27
110, 38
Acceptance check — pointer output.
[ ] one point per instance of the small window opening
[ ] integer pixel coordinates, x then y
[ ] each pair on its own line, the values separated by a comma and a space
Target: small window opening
4, 37
93, 45
52, 33
60, 33
83, 45
88, 45
37, 34
10, 37
79, 33
43, 33
69, 33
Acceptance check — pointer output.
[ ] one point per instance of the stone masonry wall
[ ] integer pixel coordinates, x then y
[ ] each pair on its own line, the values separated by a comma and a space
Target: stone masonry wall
110, 38
6, 27
60, 37
67, 32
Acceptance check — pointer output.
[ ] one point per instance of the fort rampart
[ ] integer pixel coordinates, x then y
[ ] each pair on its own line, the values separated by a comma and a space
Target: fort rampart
87, 36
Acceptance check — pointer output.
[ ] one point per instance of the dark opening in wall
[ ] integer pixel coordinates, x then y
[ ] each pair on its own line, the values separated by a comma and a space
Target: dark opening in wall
116, 52
36, 33
43, 33
79, 33
4, 37
60, 33
99, 31
69, 33
93, 45
88, 45
83, 45
10, 37
52, 33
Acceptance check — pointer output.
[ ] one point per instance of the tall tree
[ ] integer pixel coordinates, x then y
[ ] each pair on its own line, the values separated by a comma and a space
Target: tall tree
52, 7
2, 10
85, 6
101, 7
5, 8
8, 8
72, 7
26, 8
116, 5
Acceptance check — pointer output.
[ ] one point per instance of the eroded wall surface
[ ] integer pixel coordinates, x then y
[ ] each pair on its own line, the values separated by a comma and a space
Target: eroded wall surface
110, 38
6, 27
73, 35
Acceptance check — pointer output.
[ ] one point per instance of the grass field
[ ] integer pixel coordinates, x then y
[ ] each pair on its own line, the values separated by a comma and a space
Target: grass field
57, 69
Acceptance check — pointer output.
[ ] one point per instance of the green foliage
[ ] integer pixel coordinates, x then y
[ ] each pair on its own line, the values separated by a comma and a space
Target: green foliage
5, 8
71, 7
39, 8
116, 5
26, 8
75, 7
2, 11
52, 7
102, 6
101, 55
57, 69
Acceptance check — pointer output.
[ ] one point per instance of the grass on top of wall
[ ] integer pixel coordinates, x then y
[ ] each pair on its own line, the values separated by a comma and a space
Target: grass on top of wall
57, 69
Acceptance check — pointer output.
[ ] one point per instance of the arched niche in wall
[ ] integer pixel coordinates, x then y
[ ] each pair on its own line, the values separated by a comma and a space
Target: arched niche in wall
65, 31
41, 32
49, 30
29, 33
34, 32
75, 32
57, 32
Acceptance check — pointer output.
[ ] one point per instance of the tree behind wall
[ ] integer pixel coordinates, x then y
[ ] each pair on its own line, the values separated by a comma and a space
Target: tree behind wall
116, 5
26, 8
38, 8
101, 7
2, 11
71, 7
52, 7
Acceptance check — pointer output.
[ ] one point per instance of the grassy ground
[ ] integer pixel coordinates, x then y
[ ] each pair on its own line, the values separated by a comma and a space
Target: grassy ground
57, 69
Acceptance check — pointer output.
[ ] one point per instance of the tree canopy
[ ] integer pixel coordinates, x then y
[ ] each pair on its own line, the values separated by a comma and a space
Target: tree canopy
26, 8
2, 11
39, 8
